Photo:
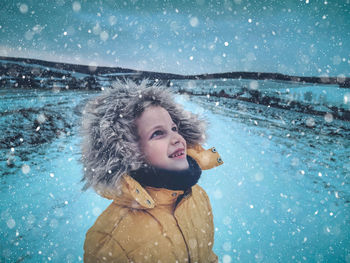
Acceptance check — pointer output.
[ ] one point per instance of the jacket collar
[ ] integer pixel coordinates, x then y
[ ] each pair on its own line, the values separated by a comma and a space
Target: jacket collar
162, 196
130, 193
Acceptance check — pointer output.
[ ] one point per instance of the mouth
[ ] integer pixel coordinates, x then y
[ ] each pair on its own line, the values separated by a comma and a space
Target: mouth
178, 153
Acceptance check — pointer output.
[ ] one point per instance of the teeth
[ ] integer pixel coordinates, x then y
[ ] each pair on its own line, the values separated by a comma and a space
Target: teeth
176, 154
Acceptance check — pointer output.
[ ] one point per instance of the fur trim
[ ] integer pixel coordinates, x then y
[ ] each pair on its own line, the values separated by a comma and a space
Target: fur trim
110, 141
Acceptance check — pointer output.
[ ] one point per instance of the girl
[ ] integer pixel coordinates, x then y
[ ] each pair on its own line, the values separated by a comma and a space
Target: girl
142, 150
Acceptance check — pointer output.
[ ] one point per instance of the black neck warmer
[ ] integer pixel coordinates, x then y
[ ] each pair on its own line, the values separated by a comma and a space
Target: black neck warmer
169, 179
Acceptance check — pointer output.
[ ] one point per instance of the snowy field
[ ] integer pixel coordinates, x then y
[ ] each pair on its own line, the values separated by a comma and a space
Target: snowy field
282, 195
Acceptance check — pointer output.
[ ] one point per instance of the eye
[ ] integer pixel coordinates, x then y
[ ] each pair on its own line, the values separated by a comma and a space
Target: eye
174, 128
156, 133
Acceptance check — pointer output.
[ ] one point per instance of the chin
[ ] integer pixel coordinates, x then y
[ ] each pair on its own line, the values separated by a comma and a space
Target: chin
182, 166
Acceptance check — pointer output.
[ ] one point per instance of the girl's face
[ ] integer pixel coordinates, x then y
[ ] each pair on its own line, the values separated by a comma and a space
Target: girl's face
160, 141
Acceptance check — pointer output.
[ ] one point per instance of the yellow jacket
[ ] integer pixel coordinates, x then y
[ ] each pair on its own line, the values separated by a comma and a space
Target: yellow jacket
152, 225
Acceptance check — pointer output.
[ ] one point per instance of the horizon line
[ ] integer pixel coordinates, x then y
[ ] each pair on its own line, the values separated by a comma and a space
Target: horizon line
343, 82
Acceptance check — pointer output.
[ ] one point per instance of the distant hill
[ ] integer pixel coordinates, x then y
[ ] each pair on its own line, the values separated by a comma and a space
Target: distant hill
12, 67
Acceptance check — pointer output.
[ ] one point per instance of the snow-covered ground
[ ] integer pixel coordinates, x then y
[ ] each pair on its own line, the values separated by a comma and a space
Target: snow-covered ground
282, 195
317, 96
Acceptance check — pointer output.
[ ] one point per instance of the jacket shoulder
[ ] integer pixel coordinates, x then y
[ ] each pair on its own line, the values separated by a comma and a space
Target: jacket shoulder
100, 245
199, 200
117, 232
202, 200
199, 192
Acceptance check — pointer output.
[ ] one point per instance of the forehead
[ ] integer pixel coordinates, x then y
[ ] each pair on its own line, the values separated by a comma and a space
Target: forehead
153, 116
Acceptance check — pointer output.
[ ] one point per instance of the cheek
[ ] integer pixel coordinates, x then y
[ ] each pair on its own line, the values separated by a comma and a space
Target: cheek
153, 150
155, 155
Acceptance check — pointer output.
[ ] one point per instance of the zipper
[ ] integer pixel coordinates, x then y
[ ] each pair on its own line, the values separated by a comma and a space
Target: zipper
184, 197
183, 236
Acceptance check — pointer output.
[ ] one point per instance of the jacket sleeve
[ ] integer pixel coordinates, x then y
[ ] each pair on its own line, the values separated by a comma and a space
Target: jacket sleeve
213, 258
101, 247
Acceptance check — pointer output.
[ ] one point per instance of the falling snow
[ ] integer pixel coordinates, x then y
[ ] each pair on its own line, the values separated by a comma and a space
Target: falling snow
283, 193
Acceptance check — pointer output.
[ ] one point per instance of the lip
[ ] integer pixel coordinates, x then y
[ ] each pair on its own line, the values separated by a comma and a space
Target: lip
180, 156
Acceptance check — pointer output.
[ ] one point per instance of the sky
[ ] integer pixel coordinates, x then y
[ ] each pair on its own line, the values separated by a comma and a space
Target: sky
305, 38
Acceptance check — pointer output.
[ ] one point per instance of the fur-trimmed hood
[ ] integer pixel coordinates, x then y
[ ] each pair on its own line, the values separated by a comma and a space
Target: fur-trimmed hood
110, 141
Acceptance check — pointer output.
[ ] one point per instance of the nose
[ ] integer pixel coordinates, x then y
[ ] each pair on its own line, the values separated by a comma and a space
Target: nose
176, 138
